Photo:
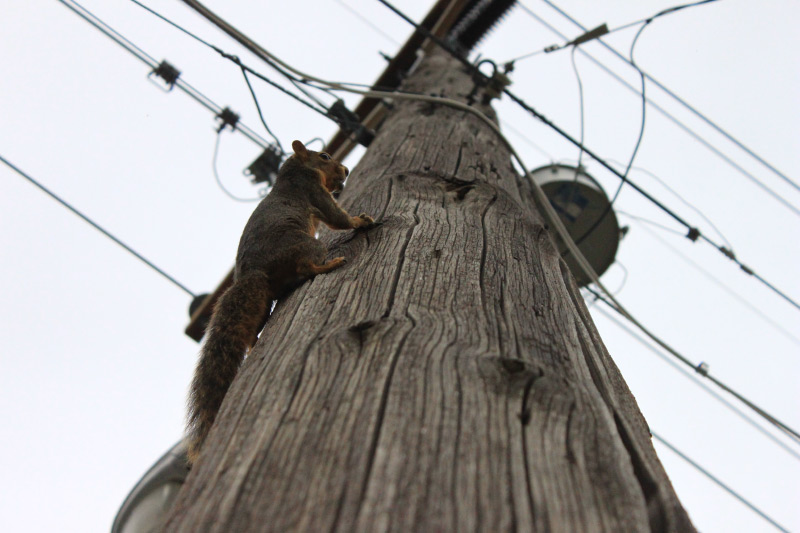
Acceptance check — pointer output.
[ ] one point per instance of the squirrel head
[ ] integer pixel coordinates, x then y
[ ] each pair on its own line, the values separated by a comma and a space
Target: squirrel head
332, 173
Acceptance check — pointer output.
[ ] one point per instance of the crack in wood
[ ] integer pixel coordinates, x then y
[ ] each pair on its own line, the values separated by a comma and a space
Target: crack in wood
650, 490
373, 447
482, 270
400, 262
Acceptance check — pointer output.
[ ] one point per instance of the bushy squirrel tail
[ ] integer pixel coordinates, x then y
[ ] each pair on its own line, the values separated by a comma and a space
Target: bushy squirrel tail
238, 316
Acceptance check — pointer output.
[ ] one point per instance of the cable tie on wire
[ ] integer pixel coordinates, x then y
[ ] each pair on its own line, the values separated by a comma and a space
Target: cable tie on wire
167, 72
227, 117
747, 269
702, 369
693, 234
552, 48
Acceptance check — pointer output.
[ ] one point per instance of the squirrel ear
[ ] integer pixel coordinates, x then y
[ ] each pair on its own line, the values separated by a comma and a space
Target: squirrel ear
299, 149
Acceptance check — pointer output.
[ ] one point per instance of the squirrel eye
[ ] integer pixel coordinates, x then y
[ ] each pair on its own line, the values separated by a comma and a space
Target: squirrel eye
325, 156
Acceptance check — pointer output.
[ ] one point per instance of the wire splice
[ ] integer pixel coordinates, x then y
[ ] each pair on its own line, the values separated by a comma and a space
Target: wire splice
265, 168
166, 71
227, 117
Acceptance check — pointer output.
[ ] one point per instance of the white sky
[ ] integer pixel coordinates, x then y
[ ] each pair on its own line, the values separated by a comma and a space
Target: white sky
95, 364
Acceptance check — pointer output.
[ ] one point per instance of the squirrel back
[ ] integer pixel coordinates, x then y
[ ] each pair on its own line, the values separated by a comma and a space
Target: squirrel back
277, 252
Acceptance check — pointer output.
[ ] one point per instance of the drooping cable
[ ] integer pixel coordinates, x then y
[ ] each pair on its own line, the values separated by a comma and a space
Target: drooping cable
258, 108
624, 178
96, 226
216, 173
666, 114
686, 105
296, 82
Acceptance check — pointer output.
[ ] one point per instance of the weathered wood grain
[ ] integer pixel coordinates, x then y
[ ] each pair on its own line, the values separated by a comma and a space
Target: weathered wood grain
448, 378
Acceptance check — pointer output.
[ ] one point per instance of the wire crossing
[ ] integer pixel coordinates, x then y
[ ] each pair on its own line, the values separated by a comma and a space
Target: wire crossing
680, 100
96, 226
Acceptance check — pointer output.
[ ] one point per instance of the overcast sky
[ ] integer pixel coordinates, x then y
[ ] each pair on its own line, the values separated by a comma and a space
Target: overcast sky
95, 365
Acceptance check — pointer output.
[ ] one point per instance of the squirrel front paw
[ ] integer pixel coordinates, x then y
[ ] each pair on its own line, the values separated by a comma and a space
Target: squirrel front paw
366, 218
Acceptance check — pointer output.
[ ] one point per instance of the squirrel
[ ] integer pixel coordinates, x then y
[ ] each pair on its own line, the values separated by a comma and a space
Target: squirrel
277, 252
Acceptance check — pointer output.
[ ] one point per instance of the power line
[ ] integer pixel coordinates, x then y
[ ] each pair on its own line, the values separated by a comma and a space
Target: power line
702, 370
683, 200
147, 59
368, 22
603, 30
738, 412
680, 100
96, 226
719, 483
714, 279
322, 109
668, 115
624, 177
216, 173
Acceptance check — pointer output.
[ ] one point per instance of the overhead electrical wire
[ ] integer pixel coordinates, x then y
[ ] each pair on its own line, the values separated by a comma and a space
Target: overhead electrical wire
649, 222
686, 129
685, 104
708, 275
702, 370
691, 376
368, 22
147, 59
683, 200
697, 137
719, 483
693, 232
602, 31
548, 209
96, 226
624, 178
216, 173
320, 107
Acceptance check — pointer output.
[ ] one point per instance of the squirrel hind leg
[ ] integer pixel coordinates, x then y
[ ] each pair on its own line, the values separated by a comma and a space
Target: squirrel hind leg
310, 268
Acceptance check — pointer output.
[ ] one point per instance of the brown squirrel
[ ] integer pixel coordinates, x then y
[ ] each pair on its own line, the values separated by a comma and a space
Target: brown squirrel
277, 252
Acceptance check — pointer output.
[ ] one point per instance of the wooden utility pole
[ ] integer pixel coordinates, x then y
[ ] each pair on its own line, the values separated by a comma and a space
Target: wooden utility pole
448, 378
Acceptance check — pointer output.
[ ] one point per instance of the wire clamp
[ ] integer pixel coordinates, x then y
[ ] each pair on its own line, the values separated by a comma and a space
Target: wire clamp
702, 369
265, 168
227, 117
166, 72
349, 121
693, 234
